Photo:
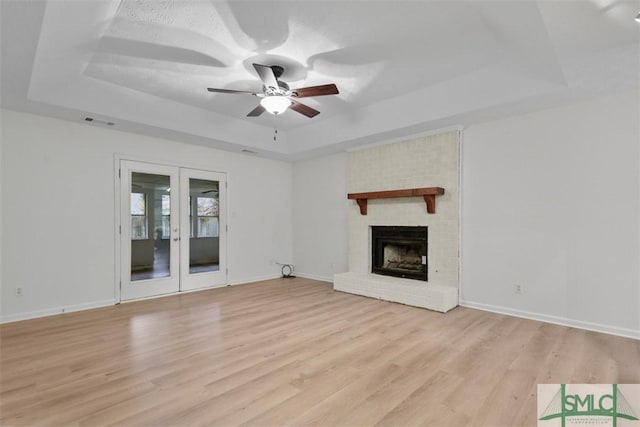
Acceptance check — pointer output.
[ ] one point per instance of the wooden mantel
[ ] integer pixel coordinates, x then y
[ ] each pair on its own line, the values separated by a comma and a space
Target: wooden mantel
428, 193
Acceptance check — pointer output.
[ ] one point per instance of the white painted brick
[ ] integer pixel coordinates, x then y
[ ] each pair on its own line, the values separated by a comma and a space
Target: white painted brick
431, 161
411, 292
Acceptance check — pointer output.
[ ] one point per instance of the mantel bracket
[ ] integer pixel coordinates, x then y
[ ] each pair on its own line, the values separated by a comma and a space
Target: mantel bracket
363, 206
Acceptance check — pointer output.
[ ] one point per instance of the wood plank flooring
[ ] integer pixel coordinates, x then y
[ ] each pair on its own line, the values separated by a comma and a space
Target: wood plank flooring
292, 352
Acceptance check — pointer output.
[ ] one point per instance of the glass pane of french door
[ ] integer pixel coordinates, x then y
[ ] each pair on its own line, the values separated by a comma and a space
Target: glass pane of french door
204, 221
150, 226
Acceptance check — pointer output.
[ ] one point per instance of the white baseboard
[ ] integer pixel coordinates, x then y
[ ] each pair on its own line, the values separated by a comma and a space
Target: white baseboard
55, 310
563, 321
253, 279
97, 304
313, 276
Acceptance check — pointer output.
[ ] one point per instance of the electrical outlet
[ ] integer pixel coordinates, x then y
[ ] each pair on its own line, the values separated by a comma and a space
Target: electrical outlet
18, 292
518, 289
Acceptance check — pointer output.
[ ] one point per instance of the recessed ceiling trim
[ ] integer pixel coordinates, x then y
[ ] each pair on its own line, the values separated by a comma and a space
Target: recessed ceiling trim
394, 82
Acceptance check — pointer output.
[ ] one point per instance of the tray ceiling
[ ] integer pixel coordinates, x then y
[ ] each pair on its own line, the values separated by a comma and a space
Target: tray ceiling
401, 67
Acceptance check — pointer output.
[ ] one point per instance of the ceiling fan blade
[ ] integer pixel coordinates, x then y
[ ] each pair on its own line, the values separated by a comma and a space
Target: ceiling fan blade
256, 111
304, 109
303, 92
210, 89
266, 75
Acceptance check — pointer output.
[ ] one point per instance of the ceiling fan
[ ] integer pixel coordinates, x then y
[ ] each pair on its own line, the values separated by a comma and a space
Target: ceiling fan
277, 96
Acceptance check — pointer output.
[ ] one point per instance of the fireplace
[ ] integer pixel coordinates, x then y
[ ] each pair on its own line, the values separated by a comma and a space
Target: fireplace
399, 251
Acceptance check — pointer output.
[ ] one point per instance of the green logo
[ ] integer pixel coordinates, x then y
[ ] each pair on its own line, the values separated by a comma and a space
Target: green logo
584, 402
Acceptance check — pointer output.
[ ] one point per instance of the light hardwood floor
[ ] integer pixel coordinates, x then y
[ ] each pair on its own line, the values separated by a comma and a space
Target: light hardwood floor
293, 352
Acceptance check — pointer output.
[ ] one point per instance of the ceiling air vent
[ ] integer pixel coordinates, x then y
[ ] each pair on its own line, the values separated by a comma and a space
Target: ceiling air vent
97, 121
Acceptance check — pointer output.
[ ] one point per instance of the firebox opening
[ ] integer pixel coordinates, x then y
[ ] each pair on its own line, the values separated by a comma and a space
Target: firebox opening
399, 251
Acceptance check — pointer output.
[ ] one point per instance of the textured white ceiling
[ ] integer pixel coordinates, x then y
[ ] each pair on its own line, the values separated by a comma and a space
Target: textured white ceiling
401, 67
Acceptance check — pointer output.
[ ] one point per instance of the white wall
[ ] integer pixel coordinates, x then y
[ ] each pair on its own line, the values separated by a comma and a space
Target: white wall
320, 216
58, 211
551, 202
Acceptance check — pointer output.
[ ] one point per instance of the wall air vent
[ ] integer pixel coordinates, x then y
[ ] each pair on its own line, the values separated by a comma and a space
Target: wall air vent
97, 121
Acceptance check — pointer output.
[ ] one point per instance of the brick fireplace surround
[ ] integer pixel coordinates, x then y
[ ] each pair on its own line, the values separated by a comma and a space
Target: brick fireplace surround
430, 161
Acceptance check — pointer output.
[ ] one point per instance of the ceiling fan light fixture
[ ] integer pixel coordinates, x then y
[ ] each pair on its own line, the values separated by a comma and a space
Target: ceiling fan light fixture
637, 18
275, 104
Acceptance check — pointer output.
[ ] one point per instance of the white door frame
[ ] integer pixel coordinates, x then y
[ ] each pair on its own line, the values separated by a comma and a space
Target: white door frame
117, 159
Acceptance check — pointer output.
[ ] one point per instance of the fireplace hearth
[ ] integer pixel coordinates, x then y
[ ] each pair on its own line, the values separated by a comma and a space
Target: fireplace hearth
399, 251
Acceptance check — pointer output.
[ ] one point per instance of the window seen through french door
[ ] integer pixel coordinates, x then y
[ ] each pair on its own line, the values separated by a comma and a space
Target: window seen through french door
172, 231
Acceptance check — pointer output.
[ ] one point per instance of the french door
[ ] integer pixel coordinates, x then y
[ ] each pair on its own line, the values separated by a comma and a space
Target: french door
173, 229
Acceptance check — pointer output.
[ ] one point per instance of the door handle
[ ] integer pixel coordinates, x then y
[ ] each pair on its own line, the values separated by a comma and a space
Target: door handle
175, 239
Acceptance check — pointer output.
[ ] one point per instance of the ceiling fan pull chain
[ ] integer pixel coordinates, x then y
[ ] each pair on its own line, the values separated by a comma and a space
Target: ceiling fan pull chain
275, 134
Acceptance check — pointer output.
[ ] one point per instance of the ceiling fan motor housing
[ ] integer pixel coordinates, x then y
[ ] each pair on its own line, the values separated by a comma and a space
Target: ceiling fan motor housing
283, 90
283, 85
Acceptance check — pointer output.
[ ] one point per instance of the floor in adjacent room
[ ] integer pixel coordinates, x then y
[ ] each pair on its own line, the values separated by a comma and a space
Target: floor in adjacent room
293, 352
